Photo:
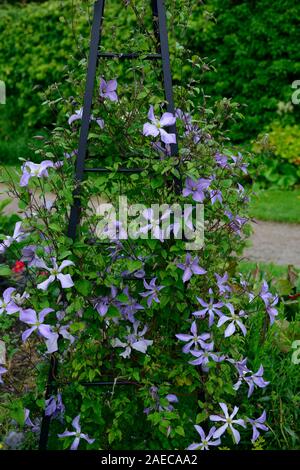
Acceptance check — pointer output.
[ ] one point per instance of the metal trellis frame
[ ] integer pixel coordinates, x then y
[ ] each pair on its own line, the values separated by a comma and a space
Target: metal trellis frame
162, 54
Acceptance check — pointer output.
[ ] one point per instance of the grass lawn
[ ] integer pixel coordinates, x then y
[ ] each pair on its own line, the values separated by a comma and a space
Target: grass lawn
276, 205
272, 271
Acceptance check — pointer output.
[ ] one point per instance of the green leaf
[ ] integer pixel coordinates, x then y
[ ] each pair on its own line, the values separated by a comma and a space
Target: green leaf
5, 270
84, 287
179, 430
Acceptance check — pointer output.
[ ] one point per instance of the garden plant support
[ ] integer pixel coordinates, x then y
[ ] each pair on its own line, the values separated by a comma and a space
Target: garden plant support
162, 54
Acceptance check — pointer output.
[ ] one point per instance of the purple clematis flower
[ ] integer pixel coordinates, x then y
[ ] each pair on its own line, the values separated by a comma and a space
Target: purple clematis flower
78, 116
29, 255
171, 398
153, 291
196, 188
38, 170
222, 283
56, 273
257, 425
221, 160
236, 222
251, 379
228, 422
206, 356
27, 420
190, 267
156, 127
270, 301
163, 150
2, 371
210, 308
238, 163
69, 155
186, 118
193, 340
272, 311
128, 308
191, 129
34, 426
234, 320
18, 236
54, 406
77, 434
36, 322
134, 340
215, 195
9, 304
241, 366
102, 304
265, 294
206, 441
58, 330
108, 89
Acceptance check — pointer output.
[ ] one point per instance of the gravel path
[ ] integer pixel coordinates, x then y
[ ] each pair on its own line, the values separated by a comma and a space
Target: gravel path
271, 242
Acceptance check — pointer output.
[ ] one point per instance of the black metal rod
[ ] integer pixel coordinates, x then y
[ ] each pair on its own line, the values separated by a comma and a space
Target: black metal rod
159, 11
133, 55
119, 170
87, 111
45, 426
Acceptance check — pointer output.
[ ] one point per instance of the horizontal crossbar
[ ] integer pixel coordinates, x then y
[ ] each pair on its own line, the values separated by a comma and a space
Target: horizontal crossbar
119, 170
100, 384
133, 55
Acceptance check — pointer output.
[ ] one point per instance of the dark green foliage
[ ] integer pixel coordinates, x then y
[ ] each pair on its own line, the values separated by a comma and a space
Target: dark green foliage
255, 48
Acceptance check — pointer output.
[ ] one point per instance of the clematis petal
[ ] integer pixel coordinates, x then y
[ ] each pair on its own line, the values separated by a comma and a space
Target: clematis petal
51, 343
224, 409
65, 280
230, 329
194, 446
45, 331
28, 316
75, 423
167, 138
25, 179
184, 337
220, 431
44, 285
236, 434
151, 114
7, 294
200, 431
27, 333
43, 314
65, 264
167, 119
150, 130
112, 85
66, 434
75, 444
187, 275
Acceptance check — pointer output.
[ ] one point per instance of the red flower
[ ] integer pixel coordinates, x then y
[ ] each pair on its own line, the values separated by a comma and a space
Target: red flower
18, 267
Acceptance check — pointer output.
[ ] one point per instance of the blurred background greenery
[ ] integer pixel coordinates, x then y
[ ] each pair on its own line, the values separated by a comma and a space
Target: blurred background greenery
250, 47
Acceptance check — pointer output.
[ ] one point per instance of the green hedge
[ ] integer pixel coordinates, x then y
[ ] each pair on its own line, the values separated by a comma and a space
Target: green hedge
254, 46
